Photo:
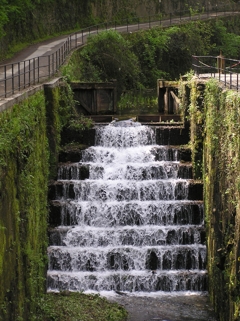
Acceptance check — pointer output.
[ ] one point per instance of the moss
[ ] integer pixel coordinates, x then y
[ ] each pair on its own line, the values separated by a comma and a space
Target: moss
2, 245
53, 126
219, 113
70, 306
23, 207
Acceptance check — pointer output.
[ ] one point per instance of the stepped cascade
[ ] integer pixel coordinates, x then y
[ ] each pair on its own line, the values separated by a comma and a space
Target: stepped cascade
129, 217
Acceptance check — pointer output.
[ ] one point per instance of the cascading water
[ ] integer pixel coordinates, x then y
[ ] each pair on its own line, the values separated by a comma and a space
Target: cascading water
130, 226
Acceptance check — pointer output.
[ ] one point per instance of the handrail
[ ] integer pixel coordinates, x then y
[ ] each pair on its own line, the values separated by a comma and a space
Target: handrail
17, 76
225, 70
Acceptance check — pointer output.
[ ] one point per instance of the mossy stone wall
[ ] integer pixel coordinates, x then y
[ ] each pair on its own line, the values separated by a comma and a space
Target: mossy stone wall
215, 113
24, 176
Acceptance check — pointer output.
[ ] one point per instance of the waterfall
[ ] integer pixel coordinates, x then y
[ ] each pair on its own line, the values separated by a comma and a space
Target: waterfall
130, 224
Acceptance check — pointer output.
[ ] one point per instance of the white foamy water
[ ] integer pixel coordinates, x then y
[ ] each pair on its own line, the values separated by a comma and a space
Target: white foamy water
130, 226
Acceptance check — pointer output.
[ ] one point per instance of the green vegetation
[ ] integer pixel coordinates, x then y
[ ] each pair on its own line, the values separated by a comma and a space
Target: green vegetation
138, 102
136, 60
221, 176
215, 126
61, 114
193, 113
66, 306
166, 53
80, 123
23, 207
107, 56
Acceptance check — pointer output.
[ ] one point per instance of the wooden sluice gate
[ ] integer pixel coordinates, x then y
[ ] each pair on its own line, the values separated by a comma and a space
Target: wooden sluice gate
98, 101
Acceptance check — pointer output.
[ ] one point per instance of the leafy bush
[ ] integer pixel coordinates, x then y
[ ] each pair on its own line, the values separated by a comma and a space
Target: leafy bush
107, 56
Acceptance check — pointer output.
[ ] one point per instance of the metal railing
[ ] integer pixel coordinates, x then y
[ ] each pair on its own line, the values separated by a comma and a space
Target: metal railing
18, 76
225, 70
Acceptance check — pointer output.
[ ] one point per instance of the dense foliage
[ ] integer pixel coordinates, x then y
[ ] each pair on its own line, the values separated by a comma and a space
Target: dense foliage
136, 60
107, 56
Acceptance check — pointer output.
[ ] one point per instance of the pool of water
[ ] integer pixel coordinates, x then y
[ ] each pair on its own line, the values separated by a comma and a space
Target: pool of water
165, 307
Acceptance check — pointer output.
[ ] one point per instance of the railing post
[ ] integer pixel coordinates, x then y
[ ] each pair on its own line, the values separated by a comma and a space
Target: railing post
12, 78
149, 22
49, 65
5, 82
56, 65
34, 71
38, 69
29, 72
24, 74
138, 23
19, 80
53, 64
127, 24
59, 54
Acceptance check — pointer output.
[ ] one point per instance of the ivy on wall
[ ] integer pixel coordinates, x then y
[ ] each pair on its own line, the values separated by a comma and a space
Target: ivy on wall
23, 207
214, 114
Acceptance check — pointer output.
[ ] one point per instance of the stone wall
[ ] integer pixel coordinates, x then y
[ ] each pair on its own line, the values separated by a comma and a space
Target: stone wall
30, 137
215, 126
23, 207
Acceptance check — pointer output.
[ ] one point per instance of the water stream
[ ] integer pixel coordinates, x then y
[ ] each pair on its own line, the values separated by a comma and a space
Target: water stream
130, 227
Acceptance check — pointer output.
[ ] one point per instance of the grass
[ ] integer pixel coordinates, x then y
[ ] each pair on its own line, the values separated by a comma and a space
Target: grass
71, 306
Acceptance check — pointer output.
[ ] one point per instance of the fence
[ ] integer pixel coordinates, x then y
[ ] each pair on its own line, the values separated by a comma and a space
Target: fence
17, 76
223, 69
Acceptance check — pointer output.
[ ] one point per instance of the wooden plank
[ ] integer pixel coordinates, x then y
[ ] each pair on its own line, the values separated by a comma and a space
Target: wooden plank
148, 118
101, 118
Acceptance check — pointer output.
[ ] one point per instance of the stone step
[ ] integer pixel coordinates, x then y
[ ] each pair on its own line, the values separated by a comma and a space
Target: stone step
114, 214
145, 281
155, 170
74, 153
147, 235
117, 190
172, 135
168, 257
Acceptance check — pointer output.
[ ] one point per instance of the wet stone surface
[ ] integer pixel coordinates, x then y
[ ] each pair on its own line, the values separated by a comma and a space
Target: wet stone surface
167, 308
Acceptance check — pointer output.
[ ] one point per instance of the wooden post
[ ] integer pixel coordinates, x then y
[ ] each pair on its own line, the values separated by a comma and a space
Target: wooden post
220, 63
